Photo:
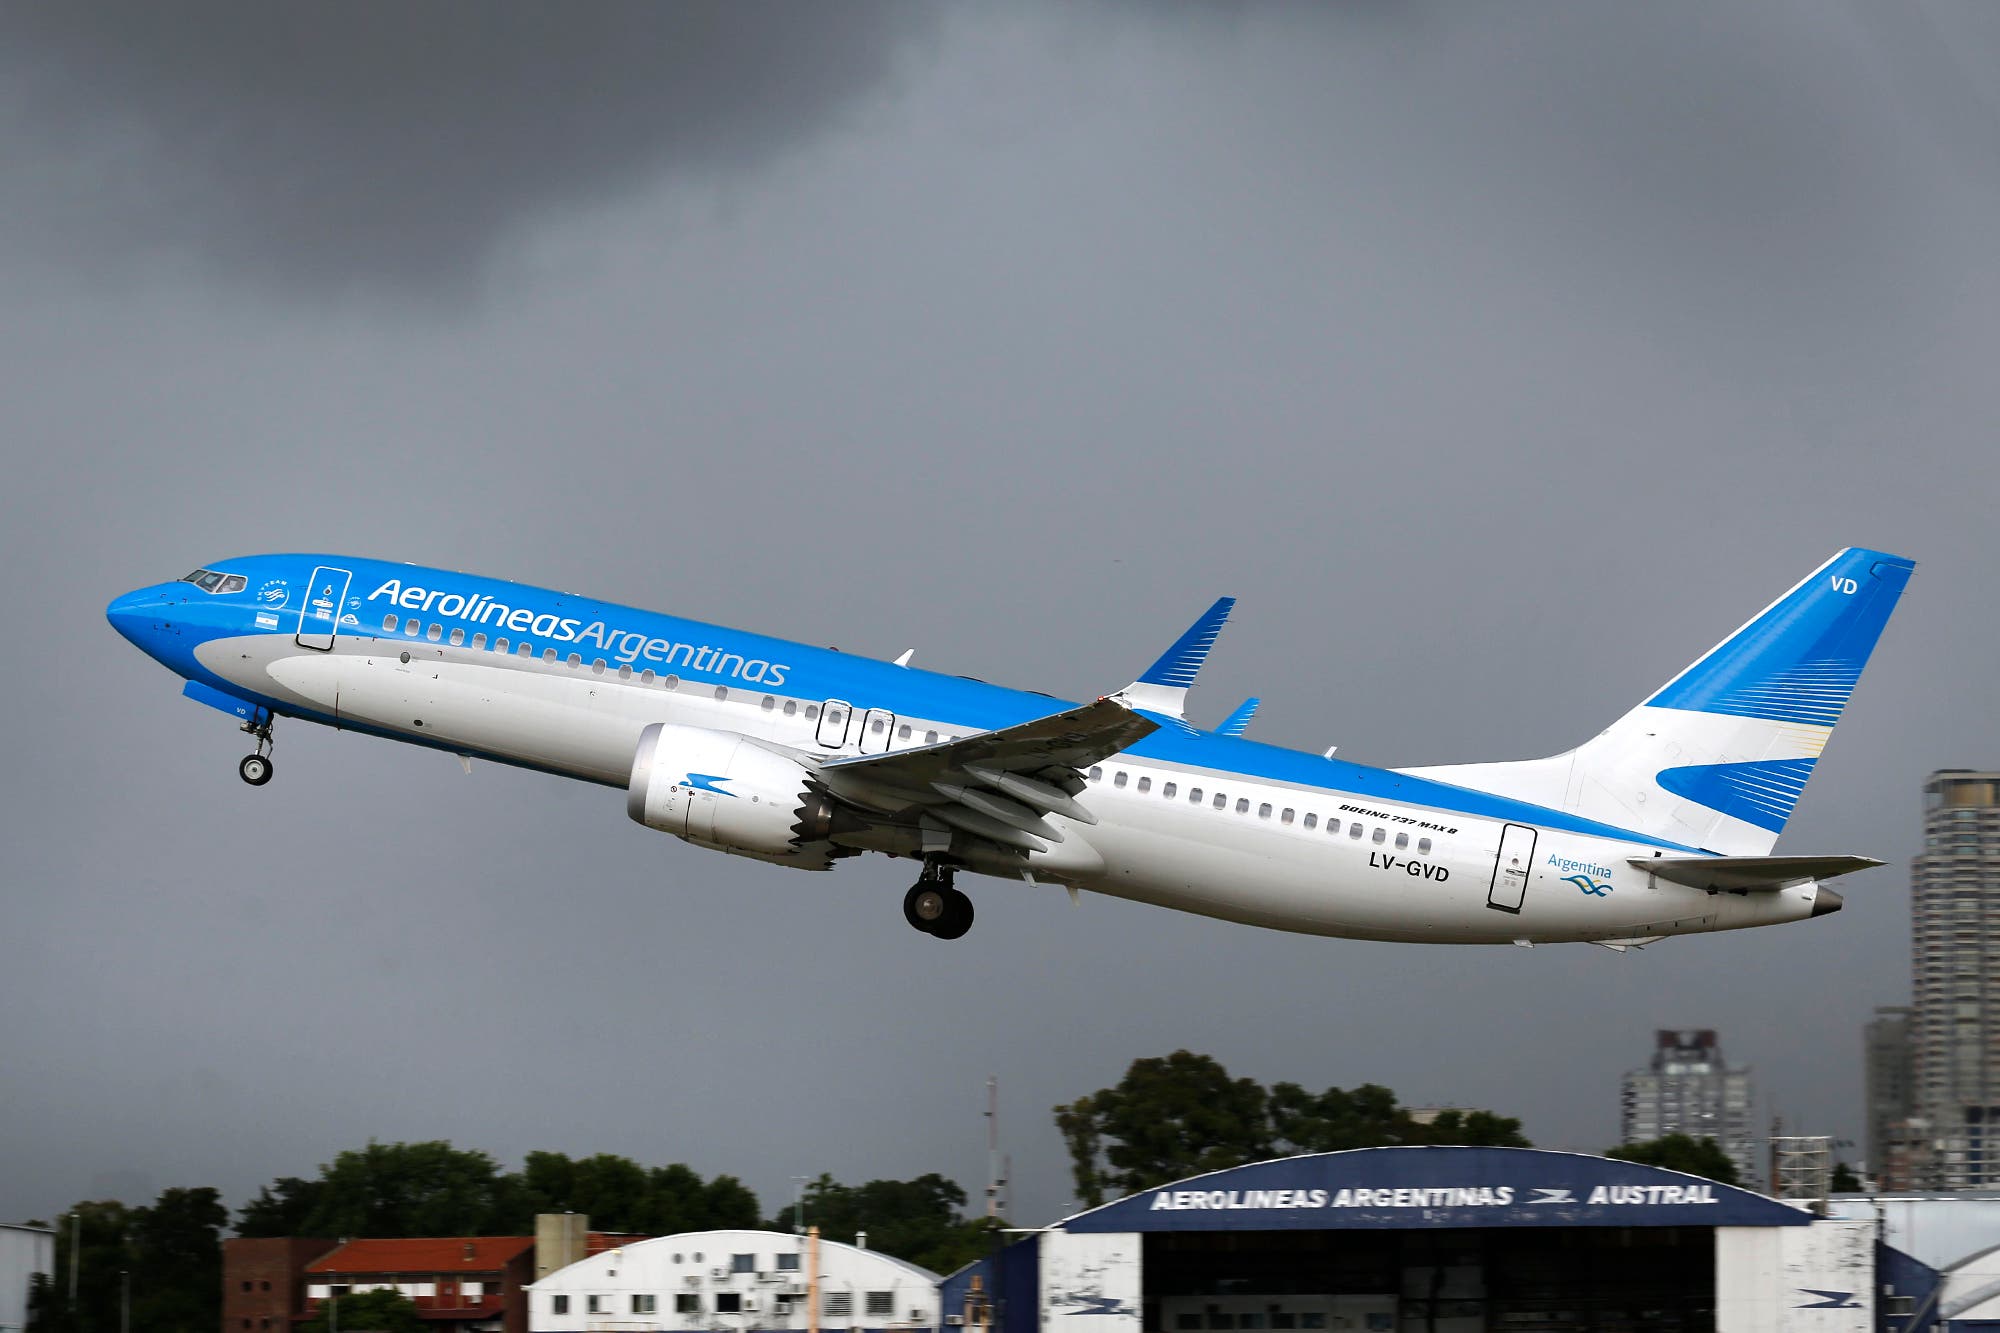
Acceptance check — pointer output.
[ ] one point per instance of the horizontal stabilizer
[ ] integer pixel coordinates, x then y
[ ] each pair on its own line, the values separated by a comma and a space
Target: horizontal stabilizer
1749, 873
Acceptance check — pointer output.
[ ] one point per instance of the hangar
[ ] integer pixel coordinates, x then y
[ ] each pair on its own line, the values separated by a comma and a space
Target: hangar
1441, 1240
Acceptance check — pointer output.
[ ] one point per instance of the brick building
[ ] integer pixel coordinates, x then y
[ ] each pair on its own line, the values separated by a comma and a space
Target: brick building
466, 1284
263, 1281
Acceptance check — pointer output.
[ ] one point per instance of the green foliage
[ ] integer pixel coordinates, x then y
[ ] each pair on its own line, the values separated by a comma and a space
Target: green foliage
920, 1220
1844, 1180
281, 1208
1183, 1115
172, 1252
620, 1195
386, 1311
1678, 1152
410, 1189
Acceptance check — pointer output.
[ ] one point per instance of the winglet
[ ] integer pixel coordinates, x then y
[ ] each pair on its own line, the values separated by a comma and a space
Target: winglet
1163, 687
1238, 722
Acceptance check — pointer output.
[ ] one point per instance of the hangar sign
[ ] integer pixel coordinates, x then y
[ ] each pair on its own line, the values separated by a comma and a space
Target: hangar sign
1437, 1187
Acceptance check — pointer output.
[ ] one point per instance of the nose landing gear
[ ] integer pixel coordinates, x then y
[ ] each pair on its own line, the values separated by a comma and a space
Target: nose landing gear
935, 907
255, 769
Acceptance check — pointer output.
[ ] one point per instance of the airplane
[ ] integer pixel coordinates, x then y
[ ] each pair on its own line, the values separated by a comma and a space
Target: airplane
1660, 825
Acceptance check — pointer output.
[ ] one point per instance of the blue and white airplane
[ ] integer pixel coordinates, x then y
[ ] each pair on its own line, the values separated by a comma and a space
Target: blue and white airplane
1662, 824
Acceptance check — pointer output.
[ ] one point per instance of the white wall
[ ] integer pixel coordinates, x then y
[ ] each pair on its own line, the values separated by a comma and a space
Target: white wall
24, 1251
700, 1266
1090, 1282
1816, 1279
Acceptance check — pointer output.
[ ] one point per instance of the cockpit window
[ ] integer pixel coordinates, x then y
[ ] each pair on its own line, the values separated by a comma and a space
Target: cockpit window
210, 581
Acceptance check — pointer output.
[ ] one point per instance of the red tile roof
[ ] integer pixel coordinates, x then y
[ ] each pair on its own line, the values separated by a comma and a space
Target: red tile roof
424, 1254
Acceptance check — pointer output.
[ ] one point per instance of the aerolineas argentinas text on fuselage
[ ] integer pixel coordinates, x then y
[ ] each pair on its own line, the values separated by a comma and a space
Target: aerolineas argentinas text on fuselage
1663, 824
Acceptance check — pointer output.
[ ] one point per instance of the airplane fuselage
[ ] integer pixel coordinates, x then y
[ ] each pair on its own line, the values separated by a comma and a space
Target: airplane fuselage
1221, 826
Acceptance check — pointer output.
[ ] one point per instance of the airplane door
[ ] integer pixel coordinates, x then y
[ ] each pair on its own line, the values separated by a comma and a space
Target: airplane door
833, 723
877, 727
319, 618
1511, 868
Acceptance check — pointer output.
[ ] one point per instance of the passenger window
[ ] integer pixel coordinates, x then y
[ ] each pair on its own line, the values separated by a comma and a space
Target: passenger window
670, 681
903, 732
930, 738
413, 627
1377, 836
457, 637
722, 694
791, 707
1096, 775
1194, 796
479, 641
1221, 800
548, 654
1264, 810
389, 624
1332, 825
1402, 841
1312, 821
812, 712
1145, 784
647, 677
1168, 791
877, 726
1243, 805
596, 666
1286, 817
434, 633
574, 659
502, 645
1423, 844
1118, 780
1354, 830
625, 671
769, 703
526, 649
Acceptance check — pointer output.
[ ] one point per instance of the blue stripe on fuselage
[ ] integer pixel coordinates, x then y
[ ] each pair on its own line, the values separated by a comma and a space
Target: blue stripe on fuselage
819, 673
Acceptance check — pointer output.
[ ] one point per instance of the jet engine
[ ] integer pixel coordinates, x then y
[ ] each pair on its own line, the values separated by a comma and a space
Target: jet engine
725, 791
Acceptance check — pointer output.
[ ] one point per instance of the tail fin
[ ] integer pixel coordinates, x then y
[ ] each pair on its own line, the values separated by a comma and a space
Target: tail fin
1718, 757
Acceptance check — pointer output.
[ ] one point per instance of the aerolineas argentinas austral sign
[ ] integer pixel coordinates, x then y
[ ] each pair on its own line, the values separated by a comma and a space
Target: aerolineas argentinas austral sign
1437, 1187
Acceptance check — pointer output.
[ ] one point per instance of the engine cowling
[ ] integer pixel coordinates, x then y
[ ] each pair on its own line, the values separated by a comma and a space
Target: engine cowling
722, 790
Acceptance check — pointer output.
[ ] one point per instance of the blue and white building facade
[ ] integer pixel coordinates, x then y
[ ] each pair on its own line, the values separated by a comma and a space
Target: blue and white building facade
1445, 1240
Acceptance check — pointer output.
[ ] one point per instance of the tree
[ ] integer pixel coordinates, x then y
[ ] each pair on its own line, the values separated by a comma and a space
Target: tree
175, 1258
1167, 1119
411, 1189
920, 1220
620, 1195
1183, 1115
387, 1311
280, 1208
1844, 1180
1678, 1152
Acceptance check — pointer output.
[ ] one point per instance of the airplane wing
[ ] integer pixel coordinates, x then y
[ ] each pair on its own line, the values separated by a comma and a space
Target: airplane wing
994, 785
1749, 874
1238, 722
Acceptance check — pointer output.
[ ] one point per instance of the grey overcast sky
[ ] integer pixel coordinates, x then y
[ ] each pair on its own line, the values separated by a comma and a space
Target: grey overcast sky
1499, 358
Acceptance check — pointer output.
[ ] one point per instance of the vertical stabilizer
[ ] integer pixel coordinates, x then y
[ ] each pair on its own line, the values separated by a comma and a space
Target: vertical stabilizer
1718, 757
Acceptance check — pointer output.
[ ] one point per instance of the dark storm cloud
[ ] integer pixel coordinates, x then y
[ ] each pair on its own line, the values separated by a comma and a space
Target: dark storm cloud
325, 143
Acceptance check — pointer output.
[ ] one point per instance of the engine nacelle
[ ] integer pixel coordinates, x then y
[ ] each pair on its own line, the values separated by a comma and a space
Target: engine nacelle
723, 790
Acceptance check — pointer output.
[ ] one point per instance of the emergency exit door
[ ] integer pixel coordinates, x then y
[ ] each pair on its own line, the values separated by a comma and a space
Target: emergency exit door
1511, 868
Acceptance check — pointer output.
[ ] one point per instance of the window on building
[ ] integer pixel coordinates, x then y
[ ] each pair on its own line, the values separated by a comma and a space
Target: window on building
558, 1305
838, 1305
593, 1305
464, 1288
788, 1263
687, 1302
881, 1302
742, 1263
644, 1302
729, 1302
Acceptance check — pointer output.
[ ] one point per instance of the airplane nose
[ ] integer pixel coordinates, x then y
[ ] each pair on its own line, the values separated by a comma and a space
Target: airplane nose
134, 613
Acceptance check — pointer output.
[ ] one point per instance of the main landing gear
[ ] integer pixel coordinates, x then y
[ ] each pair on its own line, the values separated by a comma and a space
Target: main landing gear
936, 908
255, 769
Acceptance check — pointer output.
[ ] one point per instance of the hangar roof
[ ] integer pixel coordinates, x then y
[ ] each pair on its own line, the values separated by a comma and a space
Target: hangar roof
1437, 1187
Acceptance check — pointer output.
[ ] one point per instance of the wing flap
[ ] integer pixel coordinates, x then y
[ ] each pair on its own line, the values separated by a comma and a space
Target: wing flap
1749, 874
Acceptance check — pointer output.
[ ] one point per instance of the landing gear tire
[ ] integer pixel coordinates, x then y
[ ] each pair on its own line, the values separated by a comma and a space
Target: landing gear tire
255, 769
957, 917
927, 905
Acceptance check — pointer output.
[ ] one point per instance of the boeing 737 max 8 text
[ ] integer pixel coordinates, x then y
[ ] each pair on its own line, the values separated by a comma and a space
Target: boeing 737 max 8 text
1663, 824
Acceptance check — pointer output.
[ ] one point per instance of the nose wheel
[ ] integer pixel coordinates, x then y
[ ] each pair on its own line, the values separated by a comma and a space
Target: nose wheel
935, 907
255, 769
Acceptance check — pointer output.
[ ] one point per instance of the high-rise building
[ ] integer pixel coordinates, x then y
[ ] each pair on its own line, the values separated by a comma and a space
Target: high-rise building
1689, 1089
1955, 1015
1889, 1072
